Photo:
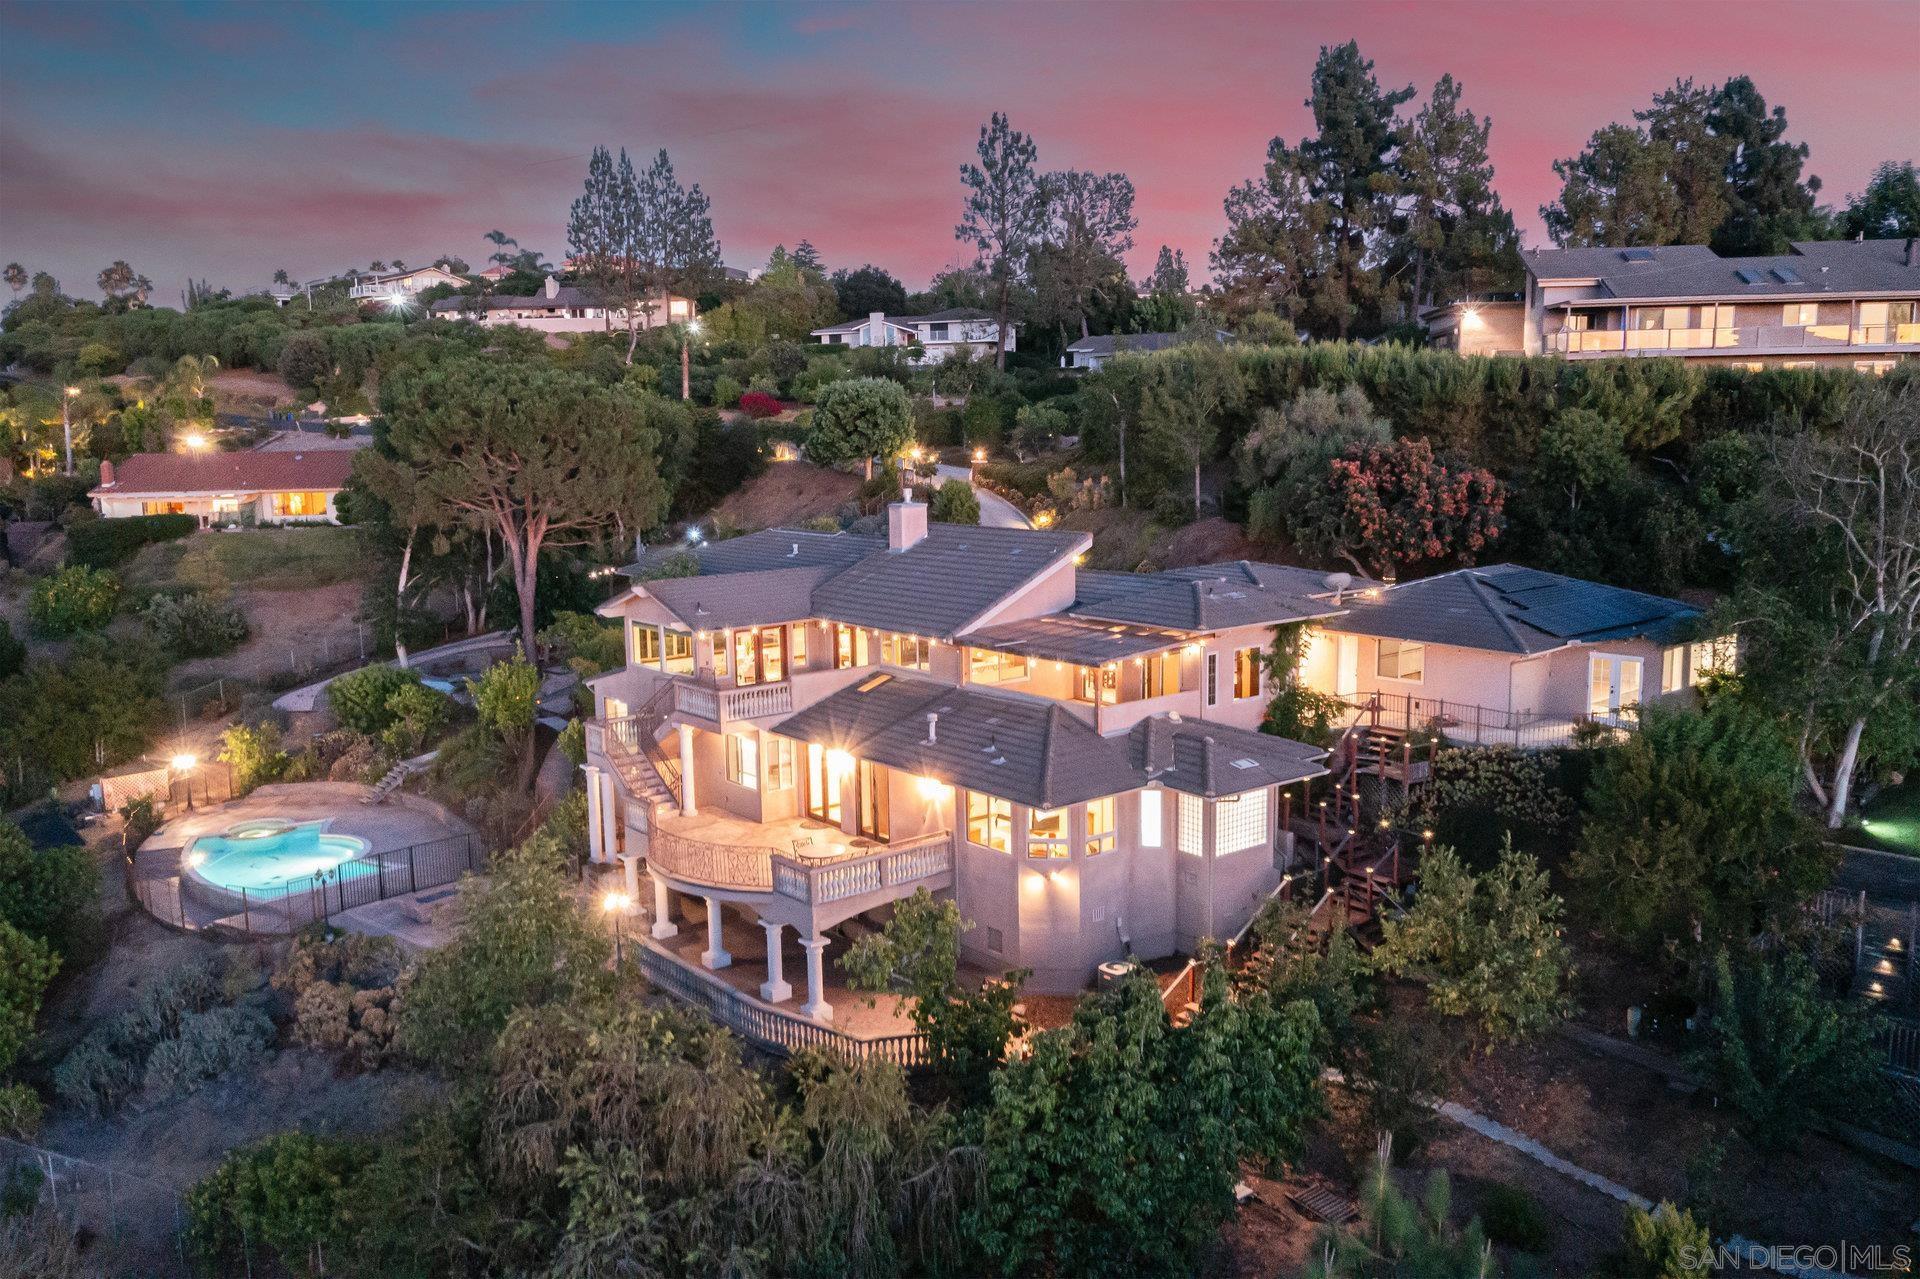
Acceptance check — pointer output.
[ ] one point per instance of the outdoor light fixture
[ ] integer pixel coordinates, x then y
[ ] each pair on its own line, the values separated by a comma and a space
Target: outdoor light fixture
931, 788
183, 762
1470, 319
194, 440
839, 762
979, 455
196, 857
72, 391
614, 903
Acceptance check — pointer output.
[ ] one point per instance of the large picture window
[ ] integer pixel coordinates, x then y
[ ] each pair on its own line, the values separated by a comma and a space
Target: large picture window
779, 763
1240, 821
743, 760
1401, 659
645, 647
679, 653
850, 648
1046, 832
1099, 826
990, 822
985, 666
913, 652
298, 504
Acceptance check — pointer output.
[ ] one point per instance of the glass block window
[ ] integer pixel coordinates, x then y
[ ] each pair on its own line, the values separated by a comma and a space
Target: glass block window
1193, 838
1240, 821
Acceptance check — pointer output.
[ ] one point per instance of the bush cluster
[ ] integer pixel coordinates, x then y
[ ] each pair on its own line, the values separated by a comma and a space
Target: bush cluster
73, 600
346, 994
197, 624
109, 543
178, 1035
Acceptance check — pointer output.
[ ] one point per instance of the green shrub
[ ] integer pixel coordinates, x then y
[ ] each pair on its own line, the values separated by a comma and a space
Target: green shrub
593, 646
573, 742
110, 543
98, 1076
208, 1045
1513, 1219
252, 752
27, 964
198, 624
73, 600
954, 503
65, 720
506, 696
359, 698
1666, 1243
52, 894
284, 1193
20, 1112
140, 819
418, 714
726, 391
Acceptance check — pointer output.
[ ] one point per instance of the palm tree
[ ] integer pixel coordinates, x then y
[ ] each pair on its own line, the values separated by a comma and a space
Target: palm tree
281, 277
15, 276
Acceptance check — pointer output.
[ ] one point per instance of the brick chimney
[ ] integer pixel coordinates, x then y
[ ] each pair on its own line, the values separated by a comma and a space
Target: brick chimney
906, 522
106, 474
877, 328
552, 287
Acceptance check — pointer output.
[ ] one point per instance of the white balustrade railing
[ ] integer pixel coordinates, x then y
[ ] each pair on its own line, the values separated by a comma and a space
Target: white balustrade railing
760, 869
755, 701
1759, 337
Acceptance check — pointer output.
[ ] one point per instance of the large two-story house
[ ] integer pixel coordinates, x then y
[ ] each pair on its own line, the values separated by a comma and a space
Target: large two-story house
562, 308
1827, 304
816, 725
964, 329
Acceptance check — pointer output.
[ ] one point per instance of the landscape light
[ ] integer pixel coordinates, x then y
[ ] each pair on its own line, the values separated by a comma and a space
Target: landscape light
194, 440
72, 391
979, 455
183, 762
614, 903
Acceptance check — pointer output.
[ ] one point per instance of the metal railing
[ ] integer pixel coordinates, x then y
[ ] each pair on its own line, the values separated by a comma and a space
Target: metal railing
1757, 337
770, 1028
179, 897
134, 1221
1465, 724
743, 866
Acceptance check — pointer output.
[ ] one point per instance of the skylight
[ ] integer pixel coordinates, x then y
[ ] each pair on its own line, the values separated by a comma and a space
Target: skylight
873, 683
1787, 275
1244, 762
1638, 255
1749, 277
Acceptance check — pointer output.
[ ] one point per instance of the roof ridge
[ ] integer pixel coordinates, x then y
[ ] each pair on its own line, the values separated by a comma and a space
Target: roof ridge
1046, 755
1481, 592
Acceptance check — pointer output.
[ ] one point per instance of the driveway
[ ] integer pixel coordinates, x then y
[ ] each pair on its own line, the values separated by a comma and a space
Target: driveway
995, 511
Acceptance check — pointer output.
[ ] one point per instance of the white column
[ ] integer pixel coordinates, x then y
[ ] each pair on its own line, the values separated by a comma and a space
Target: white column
609, 814
663, 925
816, 1006
775, 989
631, 861
715, 955
687, 805
596, 829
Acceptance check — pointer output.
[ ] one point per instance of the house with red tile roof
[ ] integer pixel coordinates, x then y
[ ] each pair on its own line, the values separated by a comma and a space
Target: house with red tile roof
255, 487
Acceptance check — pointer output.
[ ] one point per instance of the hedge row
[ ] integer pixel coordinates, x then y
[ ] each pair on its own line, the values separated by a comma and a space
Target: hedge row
107, 543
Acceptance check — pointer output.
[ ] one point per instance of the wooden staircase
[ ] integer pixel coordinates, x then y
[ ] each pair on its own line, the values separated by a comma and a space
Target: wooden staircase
651, 776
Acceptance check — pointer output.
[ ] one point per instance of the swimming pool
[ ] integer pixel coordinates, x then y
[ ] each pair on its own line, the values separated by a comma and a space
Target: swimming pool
268, 853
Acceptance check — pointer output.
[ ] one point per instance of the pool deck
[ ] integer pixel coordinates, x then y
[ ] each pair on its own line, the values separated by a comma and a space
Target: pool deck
402, 821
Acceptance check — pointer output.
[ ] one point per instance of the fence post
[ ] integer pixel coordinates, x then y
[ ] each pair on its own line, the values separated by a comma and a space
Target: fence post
246, 912
413, 880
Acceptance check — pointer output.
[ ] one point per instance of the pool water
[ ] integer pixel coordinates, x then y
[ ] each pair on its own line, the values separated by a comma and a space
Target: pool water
267, 854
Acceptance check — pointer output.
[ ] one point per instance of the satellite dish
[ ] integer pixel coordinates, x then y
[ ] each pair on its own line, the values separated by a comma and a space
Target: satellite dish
1339, 581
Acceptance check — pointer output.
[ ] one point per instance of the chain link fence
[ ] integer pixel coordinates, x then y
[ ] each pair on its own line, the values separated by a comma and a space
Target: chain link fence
131, 1225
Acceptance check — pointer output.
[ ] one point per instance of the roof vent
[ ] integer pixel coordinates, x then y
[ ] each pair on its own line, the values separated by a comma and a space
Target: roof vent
933, 725
1243, 762
795, 551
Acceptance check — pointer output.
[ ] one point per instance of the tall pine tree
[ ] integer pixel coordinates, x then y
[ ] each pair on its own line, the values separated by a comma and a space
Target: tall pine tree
1770, 205
1459, 238
1004, 215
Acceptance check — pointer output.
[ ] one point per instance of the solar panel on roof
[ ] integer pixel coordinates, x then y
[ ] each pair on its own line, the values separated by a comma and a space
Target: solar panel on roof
1638, 255
1749, 277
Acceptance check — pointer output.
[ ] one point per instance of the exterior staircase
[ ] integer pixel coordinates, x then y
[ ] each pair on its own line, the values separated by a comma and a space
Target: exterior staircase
649, 774
396, 776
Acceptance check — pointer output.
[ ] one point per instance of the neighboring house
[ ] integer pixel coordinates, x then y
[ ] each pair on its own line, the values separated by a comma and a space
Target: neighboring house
818, 724
1828, 303
1505, 655
266, 487
1495, 326
562, 308
964, 329
400, 285
495, 273
1091, 353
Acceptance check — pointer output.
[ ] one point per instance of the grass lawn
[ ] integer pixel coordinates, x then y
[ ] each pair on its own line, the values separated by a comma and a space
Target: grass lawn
267, 558
1892, 821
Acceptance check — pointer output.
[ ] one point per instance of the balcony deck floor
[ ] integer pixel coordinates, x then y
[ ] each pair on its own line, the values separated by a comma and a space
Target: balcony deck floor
716, 827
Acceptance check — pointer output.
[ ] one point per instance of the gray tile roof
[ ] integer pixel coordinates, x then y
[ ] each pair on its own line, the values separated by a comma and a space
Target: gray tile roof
1209, 597
715, 601
1815, 268
1209, 759
944, 582
1020, 749
1082, 641
1505, 608
767, 549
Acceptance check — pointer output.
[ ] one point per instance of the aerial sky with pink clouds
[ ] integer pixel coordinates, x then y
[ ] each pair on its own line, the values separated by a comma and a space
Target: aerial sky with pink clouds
225, 141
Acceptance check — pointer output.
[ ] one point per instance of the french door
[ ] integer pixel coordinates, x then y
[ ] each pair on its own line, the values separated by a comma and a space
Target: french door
873, 800
1613, 686
823, 788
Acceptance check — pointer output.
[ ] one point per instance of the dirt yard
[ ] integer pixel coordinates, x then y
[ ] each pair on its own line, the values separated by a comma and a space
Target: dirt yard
1128, 540
788, 493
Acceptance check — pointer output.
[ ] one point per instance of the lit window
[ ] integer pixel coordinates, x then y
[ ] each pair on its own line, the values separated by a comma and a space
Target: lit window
988, 667
1246, 673
646, 646
990, 822
1099, 826
779, 764
299, 504
1795, 314
910, 651
1046, 832
1193, 836
1715, 657
1161, 675
1240, 821
163, 508
1150, 819
798, 645
743, 761
1673, 669
1401, 659
1213, 679
679, 652
850, 648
